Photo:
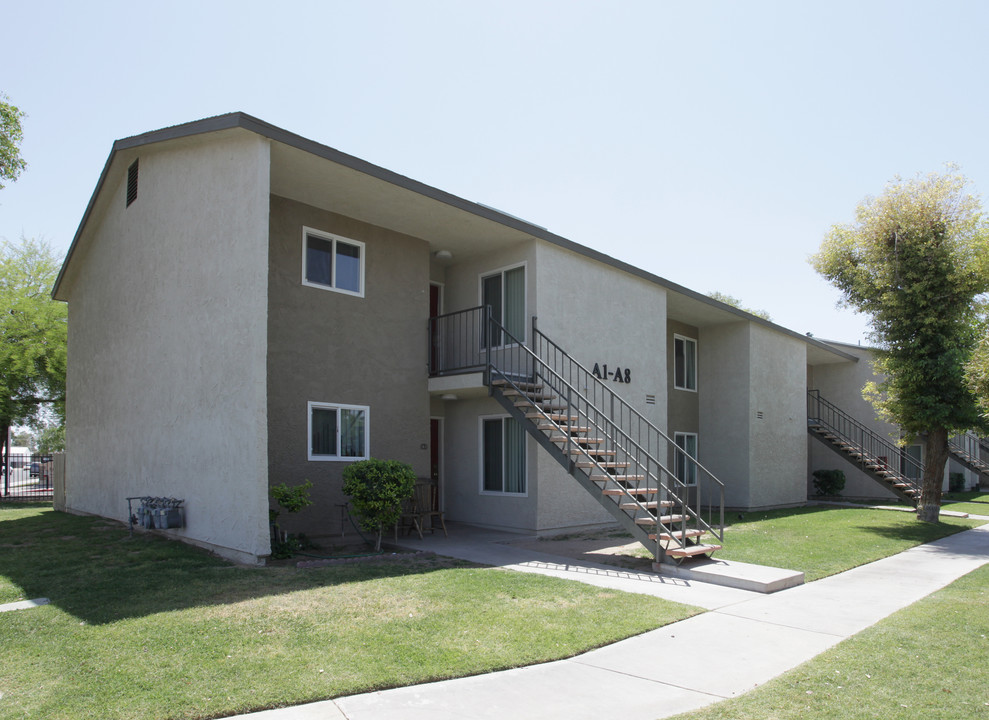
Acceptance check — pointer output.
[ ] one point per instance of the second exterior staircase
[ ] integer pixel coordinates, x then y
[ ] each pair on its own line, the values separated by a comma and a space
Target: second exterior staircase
959, 452
879, 458
608, 447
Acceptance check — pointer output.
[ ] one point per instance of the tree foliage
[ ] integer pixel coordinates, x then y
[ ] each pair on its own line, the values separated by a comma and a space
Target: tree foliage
736, 303
32, 334
11, 135
916, 260
377, 489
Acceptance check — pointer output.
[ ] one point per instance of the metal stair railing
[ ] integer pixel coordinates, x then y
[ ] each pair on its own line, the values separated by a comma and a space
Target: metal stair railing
974, 462
870, 445
629, 440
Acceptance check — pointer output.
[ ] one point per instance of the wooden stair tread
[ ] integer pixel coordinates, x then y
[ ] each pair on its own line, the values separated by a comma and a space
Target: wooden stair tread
631, 491
677, 535
662, 520
692, 550
647, 504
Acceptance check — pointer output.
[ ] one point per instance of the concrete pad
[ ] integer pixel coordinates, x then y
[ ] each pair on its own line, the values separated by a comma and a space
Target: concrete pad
24, 604
489, 547
730, 573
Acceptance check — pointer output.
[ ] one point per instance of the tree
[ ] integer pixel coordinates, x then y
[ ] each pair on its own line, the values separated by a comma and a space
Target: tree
51, 439
736, 303
11, 135
377, 489
32, 335
917, 261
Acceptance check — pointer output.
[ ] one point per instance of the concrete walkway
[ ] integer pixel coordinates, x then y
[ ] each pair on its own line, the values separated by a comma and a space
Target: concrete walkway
643, 677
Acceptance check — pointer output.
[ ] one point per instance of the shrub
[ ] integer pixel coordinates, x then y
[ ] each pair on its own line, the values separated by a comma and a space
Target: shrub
377, 489
294, 498
291, 499
956, 482
829, 482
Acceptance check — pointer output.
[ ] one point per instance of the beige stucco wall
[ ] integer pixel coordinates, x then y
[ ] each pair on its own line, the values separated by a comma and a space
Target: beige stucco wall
586, 307
167, 318
330, 347
600, 316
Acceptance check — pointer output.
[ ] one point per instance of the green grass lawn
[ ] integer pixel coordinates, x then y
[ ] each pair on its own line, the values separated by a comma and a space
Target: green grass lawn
974, 502
822, 541
928, 660
146, 627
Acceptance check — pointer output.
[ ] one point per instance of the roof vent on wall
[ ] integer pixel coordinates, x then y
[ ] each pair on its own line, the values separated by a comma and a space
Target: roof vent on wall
132, 183
650, 399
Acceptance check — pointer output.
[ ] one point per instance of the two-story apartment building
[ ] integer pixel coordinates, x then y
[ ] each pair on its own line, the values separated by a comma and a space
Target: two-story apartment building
249, 307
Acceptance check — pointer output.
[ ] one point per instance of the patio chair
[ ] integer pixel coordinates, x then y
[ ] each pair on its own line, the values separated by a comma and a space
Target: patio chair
423, 504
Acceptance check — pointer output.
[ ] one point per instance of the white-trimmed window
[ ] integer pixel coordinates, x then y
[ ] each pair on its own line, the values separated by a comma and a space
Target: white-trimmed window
686, 471
503, 467
338, 432
684, 363
504, 291
332, 262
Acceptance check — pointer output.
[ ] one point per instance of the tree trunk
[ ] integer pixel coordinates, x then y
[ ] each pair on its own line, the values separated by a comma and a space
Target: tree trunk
935, 456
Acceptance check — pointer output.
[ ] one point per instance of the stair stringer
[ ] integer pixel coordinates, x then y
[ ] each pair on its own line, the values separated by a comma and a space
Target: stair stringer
963, 458
888, 480
564, 457
642, 523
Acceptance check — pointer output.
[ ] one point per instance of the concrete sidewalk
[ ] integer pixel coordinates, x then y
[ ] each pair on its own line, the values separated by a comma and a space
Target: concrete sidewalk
644, 677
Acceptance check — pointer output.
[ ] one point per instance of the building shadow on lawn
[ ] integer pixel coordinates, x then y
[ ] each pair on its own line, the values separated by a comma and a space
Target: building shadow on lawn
92, 569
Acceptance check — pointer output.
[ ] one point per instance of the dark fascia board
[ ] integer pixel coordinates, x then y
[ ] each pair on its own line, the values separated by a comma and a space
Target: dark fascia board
276, 134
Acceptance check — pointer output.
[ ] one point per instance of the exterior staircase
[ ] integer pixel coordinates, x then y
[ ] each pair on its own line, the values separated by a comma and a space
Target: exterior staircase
973, 462
608, 447
883, 461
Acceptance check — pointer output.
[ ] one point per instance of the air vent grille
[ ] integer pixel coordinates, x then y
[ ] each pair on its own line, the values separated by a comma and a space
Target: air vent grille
132, 183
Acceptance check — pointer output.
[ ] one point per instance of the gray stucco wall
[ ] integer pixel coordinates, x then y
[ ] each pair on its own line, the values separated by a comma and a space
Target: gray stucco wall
778, 412
167, 319
725, 420
841, 384
330, 347
753, 414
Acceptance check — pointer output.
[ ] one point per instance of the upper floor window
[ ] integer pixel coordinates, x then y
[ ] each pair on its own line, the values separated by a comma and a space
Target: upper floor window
332, 262
337, 432
684, 363
504, 291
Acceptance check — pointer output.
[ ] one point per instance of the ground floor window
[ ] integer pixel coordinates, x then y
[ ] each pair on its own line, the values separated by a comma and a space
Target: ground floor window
502, 455
686, 471
338, 432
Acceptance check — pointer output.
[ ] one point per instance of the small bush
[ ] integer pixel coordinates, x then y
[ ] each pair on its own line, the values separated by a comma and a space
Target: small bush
956, 482
829, 482
294, 498
377, 489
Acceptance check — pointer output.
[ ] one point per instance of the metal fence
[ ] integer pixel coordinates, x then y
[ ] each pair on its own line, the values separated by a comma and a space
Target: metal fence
28, 477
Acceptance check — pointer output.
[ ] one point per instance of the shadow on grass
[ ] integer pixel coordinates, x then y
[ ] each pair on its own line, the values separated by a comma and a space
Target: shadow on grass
91, 568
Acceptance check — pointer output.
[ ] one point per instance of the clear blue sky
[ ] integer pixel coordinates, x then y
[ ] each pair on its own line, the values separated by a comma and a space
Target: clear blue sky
712, 143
